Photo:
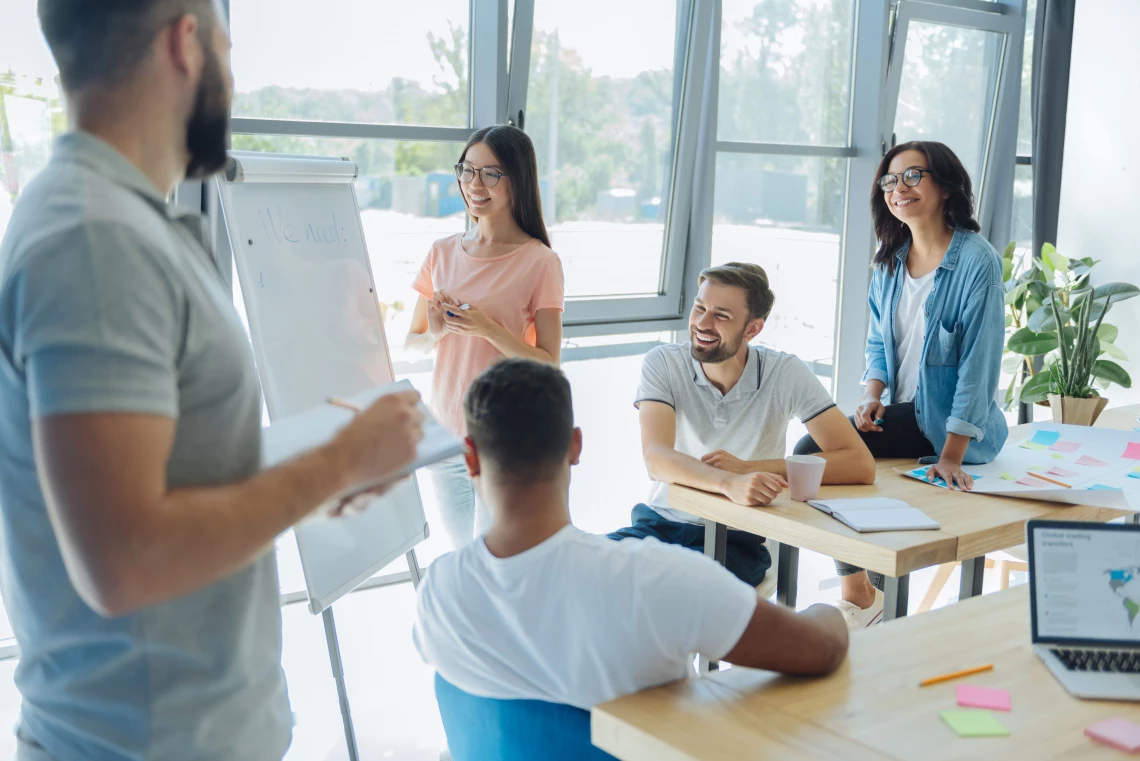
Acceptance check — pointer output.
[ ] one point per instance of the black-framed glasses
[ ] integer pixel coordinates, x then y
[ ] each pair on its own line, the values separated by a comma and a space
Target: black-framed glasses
911, 177
465, 173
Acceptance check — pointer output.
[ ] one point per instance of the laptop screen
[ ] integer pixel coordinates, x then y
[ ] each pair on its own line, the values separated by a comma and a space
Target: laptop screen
1085, 582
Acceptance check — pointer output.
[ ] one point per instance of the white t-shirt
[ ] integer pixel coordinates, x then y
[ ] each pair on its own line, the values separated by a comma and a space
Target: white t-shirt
910, 330
580, 619
749, 422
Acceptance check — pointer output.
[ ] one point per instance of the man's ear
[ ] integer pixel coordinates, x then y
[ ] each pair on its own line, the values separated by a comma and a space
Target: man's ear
471, 458
183, 46
576, 446
753, 329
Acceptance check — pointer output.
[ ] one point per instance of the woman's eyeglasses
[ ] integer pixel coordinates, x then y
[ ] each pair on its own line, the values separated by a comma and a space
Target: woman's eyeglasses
911, 177
465, 173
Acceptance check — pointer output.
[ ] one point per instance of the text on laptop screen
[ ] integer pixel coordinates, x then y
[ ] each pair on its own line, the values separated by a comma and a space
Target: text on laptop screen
1087, 583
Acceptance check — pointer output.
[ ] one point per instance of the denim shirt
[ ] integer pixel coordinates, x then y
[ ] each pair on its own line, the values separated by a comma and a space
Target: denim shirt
961, 351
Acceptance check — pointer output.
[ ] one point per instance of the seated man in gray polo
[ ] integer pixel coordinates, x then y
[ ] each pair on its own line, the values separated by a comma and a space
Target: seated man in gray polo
714, 415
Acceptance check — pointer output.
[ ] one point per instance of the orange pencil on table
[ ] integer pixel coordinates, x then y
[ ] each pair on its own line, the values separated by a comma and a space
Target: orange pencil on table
343, 404
955, 675
1050, 480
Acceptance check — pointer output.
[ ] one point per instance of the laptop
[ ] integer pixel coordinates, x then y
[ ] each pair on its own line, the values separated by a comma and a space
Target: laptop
1084, 592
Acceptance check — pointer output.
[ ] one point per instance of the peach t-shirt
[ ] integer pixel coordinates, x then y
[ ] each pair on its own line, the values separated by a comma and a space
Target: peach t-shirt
508, 288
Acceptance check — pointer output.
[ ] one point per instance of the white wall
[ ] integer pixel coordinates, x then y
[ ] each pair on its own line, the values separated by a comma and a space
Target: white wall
1100, 191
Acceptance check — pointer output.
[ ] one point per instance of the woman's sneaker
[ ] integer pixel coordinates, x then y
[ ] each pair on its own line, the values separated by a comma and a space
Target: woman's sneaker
861, 618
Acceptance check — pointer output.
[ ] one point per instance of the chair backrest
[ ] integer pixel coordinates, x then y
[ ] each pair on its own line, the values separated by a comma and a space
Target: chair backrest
488, 729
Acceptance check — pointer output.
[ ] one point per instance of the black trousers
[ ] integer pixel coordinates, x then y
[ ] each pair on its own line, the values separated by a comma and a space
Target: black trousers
900, 437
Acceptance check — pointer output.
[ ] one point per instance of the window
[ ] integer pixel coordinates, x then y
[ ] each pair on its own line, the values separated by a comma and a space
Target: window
601, 113
784, 109
351, 61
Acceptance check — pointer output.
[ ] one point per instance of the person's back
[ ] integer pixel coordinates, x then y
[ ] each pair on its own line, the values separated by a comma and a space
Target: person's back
538, 609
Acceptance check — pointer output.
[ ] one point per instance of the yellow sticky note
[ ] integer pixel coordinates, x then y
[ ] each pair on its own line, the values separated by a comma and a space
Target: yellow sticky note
1009, 477
974, 722
1033, 445
1036, 467
1058, 457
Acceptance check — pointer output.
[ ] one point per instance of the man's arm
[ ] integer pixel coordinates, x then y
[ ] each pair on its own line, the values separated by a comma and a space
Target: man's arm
666, 464
812, 642
848, 459
129, 542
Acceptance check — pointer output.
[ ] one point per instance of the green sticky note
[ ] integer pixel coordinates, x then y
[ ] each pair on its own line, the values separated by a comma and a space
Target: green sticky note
1136, 469
974, 722
1036, 467
1058, 457
1033, 445
1009, 476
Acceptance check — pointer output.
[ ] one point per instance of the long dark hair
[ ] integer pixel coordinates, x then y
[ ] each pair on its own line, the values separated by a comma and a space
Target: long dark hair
515, 152
947, 171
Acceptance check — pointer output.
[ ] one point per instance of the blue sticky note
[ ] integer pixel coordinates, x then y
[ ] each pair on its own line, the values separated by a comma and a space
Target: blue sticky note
1134, 474
1102, 487
1048, 438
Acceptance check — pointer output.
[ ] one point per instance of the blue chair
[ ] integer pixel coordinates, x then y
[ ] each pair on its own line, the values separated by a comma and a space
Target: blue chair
488, 729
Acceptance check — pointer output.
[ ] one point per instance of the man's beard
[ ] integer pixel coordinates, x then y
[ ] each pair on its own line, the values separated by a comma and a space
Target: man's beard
209, 123
719, 352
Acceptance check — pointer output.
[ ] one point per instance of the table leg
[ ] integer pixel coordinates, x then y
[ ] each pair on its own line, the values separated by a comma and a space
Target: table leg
973, 573
716, 541
896, 596
787, 575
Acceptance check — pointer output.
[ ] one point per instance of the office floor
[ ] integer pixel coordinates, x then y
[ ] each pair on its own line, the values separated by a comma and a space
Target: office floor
389, 687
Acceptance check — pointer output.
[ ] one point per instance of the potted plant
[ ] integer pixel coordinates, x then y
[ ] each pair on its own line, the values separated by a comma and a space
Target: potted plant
1053, 311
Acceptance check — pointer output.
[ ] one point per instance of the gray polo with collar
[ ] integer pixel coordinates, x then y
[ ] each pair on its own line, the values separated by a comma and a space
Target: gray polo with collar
749, 422
109, 302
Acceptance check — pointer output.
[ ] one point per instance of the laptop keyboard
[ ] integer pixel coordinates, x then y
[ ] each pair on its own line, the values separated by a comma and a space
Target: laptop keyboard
1109, 661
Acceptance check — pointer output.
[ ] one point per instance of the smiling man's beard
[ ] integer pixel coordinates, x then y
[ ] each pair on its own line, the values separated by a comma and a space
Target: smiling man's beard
209, 123
721, 352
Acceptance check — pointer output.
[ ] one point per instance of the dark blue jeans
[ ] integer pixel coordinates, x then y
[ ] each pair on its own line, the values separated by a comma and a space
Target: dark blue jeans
747, 557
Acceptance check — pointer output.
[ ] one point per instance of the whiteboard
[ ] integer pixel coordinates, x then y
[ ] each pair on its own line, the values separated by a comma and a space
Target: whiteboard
317, 331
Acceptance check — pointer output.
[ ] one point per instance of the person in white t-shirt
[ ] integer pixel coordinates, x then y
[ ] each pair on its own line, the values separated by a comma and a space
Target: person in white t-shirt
714, 415
536, 609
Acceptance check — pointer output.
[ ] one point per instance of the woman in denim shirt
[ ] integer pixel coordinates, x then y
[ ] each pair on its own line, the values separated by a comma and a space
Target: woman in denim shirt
936, 334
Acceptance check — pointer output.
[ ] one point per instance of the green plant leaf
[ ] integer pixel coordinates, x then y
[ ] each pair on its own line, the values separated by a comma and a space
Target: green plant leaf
1108, 370
1113, 351
1031, 343
1036, 389
1107, 332
1009, 250
1008, 320
1056, 261
1006, 269
1011, 362
1118, 291
1016, 293
1044, 321
1041, 291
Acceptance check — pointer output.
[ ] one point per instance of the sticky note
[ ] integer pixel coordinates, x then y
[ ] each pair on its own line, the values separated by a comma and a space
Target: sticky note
1117, 732
1132, 451
1058, 456
973, 696
1033, 445
1134, 474
1036, 467
1136, 469
1048, 438
1066, 446
1027, 481
1061, 472
1102, 487
1009, 477
1092, 461
974, 722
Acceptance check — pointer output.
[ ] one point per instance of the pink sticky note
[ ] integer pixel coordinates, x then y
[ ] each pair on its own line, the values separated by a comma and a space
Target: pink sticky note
1061, 472
973, 696
1086, 460
1132, 451
1065, 446
1117, 732
1029, 482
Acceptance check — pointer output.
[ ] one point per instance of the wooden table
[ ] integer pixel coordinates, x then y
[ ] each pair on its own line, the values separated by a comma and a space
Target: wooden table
872, 707
972, 525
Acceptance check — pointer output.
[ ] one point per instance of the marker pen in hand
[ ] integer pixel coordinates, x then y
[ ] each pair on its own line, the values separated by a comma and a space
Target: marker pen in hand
462, 307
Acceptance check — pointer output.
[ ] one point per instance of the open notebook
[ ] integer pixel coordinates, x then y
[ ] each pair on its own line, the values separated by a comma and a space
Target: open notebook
875, 514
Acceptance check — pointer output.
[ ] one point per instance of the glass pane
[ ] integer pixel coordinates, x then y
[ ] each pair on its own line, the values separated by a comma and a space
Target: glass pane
785, 71
1025, 121
31, 110
348, 61
948, 89
1023, 207
786, 214
600, 112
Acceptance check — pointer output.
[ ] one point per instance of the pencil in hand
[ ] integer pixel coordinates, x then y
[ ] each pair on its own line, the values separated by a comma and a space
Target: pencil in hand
344, 404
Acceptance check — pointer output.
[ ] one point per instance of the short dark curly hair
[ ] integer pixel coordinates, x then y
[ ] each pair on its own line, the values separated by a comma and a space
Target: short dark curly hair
520, 415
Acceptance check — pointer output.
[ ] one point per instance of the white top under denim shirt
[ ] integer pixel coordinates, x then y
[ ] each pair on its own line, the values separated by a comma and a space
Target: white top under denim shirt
961, 353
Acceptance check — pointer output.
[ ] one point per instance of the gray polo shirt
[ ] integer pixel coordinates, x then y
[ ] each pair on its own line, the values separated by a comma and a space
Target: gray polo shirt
111, 303
749, 422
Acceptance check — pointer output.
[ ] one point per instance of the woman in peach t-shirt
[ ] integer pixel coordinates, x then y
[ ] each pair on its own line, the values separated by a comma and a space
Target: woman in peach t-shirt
509, 285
